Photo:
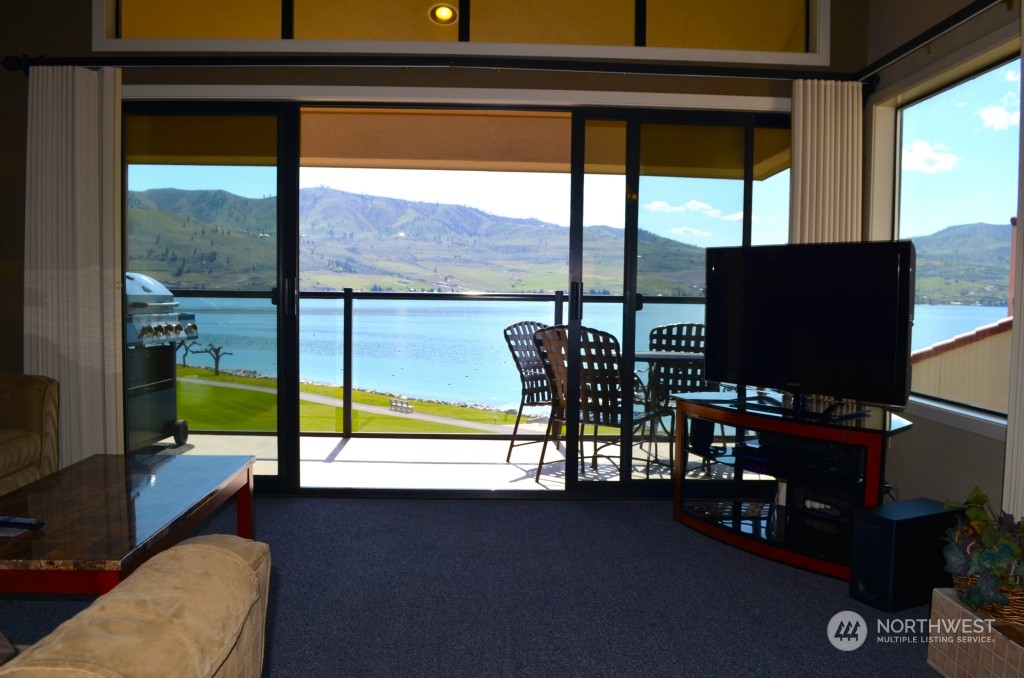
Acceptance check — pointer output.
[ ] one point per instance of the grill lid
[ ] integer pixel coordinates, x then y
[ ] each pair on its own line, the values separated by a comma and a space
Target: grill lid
146, 295
151, 315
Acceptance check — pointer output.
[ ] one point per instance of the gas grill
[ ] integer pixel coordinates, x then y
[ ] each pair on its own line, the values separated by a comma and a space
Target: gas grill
153, 328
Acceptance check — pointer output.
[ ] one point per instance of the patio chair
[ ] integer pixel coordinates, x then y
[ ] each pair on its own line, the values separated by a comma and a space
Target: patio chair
676, 376
600, 388
536, 391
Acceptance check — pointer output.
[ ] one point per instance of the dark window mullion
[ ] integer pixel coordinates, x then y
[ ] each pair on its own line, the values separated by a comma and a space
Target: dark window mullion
287, 19
640, 23
748, 183
464, 20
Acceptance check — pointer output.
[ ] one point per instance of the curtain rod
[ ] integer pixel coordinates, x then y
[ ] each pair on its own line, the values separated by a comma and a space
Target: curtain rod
24, 63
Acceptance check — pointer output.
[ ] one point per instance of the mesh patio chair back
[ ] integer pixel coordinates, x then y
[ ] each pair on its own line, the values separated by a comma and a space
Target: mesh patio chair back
683, 377
535, 387
600, 374
600, 385
677, 377
552, 347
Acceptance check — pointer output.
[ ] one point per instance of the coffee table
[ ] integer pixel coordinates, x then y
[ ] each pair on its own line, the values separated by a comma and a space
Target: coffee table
107, 514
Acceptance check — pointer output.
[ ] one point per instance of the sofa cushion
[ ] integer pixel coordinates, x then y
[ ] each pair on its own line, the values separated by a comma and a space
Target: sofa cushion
185, 612
20, 450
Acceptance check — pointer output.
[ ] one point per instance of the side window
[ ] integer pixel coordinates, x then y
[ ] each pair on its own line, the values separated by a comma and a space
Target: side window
957, 197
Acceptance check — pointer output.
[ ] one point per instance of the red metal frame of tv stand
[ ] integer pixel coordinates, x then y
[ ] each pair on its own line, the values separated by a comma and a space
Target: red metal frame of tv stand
873, 441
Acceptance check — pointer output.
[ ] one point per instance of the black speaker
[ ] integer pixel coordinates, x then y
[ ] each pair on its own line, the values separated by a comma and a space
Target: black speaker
897, 553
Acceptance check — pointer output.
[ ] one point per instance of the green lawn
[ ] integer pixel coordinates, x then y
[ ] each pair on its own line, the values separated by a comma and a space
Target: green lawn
213, 407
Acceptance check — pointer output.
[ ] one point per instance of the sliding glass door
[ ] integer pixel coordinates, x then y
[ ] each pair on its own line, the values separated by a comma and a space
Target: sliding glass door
351, 271
424, 233
656, 191
205, 301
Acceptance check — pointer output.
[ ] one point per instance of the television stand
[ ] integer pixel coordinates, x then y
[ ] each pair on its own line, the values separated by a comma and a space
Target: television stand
783, 484
801, 406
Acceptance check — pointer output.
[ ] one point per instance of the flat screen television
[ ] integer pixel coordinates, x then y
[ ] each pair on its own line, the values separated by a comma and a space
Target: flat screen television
826, 319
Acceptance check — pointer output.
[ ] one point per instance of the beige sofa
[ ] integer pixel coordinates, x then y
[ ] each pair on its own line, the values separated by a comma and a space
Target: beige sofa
196, 609
28, 429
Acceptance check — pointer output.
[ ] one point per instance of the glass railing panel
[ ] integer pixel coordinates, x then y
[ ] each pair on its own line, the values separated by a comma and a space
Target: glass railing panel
226, 379
321, 365
437, 366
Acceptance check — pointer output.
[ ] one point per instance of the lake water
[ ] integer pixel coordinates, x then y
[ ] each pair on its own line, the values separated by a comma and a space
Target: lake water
448, 350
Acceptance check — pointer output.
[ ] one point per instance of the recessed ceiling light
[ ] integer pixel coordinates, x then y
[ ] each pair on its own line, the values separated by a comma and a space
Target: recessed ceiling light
443, 14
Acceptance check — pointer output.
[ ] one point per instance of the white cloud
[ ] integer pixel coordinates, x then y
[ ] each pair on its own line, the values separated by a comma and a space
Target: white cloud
1006, 113
690, 206
662, 206
998, 118
927, 157
690, 231
704, 208
735, 216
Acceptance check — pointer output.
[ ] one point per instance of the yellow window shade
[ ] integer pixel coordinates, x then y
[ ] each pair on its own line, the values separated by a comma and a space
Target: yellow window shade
566, 22
708, 152
201, 19
378, 20
526, 141
436, 139
773, 152
201, 140
605, 147
752, 25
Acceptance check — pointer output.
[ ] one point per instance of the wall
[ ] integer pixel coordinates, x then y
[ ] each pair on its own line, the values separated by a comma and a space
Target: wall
944, 456
895, 23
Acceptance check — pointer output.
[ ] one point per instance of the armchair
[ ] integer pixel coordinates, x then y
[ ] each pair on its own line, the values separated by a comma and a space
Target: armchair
29, 408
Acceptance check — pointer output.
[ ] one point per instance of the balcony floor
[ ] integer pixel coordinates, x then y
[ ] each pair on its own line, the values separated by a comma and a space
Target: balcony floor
414, 464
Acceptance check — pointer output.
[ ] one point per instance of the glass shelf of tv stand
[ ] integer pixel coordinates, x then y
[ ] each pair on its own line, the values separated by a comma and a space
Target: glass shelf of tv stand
768, 403
793, 497
751, 504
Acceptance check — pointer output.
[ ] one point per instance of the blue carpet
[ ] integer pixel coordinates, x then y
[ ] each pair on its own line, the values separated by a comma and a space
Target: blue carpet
495, 587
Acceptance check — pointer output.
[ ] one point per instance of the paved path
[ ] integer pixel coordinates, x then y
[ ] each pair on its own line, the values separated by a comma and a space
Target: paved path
376, 409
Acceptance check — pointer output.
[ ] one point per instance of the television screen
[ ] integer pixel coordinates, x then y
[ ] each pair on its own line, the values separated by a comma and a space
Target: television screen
827, 319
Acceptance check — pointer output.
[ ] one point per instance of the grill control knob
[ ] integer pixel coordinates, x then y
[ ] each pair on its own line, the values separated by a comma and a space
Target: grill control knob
191, 328
146, 331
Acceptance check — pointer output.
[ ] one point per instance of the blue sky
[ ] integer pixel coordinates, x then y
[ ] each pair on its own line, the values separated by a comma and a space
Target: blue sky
959, 165
959, 155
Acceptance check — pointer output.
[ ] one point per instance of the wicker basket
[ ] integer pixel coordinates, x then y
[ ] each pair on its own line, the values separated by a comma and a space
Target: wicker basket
1013, 613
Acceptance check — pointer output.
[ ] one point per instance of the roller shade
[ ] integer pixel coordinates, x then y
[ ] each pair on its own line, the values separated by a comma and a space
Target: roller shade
201, 140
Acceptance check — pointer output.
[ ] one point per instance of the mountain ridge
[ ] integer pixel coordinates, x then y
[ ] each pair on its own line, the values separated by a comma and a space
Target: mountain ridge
213, 239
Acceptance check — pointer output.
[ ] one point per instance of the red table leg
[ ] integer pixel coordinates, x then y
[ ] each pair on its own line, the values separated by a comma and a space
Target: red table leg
244, 507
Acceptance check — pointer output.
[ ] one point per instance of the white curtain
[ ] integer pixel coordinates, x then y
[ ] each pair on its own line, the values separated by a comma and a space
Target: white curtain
826, 182
72, 245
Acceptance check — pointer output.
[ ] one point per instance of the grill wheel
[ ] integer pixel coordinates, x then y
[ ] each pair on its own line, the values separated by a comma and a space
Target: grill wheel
180, 432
